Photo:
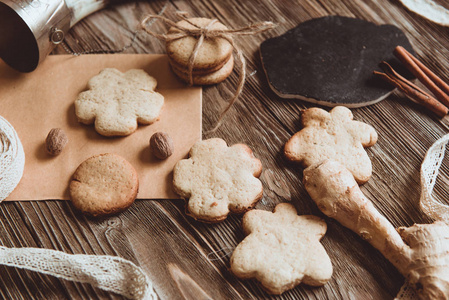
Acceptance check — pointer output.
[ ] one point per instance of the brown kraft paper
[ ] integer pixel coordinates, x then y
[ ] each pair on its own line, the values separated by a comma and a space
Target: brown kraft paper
36, 102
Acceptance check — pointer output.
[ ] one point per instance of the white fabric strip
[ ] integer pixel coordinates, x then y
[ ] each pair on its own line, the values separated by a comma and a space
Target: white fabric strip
429, 172
407, 292
12, 159
110, 273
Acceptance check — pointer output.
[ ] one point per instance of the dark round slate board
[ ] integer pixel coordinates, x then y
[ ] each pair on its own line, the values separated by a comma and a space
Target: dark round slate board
330, 61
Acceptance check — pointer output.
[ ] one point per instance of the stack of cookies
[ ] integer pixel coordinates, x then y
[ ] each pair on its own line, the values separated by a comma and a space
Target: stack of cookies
214, 61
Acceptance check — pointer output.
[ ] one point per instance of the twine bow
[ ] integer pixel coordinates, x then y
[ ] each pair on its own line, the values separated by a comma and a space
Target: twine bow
207, 32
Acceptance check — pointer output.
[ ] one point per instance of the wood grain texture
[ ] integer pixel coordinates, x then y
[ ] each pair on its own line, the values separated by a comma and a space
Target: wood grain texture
156, 234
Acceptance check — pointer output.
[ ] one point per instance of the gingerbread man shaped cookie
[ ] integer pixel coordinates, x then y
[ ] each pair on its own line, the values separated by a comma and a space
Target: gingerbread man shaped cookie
218, 179
333, 135
282, 249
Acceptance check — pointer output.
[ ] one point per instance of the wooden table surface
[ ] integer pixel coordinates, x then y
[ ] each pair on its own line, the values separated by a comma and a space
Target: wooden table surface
156, 234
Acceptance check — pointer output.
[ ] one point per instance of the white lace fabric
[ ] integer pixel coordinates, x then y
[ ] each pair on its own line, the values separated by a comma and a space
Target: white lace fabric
407, 292
429, 172
110, 273
12, 159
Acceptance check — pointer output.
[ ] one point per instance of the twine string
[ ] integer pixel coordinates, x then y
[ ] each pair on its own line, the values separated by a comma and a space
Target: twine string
207, 32
197, 30
135, 33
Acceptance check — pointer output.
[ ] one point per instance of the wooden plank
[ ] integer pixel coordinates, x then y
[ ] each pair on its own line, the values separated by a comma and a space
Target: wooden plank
155, 234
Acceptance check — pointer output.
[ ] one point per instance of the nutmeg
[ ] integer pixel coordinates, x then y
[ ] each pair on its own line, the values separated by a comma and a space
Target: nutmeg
56, 141
161, 144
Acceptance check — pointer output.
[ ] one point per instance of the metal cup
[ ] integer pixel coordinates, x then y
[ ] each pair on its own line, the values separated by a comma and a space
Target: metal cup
30, 29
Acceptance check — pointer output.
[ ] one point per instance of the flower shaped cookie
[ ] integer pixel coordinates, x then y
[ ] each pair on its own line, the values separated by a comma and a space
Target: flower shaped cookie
218, 179
335, 136
282, 249
117, 102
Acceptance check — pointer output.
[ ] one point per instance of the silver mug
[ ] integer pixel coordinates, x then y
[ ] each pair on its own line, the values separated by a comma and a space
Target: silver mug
30, 29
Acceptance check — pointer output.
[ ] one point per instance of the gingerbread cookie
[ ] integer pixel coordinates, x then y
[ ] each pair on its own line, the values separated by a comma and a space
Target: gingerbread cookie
218, 179
333, 135
213, 53
213, 62
282, 249
103, 185
117, 102
207, 79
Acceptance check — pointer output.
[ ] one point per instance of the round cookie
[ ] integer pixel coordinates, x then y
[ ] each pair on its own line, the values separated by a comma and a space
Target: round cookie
199, 72
103, 185
207, 79
213, 53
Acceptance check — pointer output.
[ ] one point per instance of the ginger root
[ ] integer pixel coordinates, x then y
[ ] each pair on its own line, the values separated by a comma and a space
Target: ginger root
420, 252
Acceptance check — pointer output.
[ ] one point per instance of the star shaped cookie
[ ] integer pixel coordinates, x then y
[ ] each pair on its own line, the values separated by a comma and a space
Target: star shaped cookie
333, 135
282, 249
118, 101
218, 179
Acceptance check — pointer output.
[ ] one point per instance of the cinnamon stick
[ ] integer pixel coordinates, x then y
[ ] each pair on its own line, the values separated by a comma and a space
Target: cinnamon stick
427, 77
411, 90
437, 80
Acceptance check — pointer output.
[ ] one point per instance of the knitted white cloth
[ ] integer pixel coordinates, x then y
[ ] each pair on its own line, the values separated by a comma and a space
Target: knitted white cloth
12, 159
